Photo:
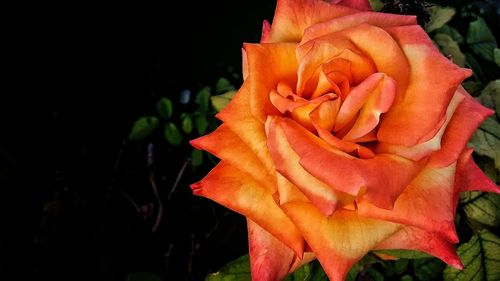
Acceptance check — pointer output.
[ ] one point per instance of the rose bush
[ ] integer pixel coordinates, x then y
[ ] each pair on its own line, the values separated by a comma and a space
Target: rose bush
348, 134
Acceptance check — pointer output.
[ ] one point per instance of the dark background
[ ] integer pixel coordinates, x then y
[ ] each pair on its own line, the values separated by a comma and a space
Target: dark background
78, 77
81, 76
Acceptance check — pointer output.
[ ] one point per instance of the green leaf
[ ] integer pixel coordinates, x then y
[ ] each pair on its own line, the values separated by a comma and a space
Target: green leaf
406, 278
237, 270
354, 272
164, 107
143, 276
471, 62
172, 134
450, 48
301, 274
221, 101
404, 254
486, 140
201, 123
482, 207
317, 272
401, 265
376, 276
452, 32
490, 96
428, 269
481, 40
196, 157
223, 85
187, 123
203, 98
439, 17
480, 257
490, 170
143, 127
473, 87
496, 56
377, 5
308, 272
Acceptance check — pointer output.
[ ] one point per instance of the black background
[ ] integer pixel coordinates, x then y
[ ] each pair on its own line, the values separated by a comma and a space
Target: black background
79, 76
76, 77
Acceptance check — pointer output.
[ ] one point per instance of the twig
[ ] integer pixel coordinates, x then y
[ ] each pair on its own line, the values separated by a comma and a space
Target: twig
178, 179
167, 255
155, 188
137, 208
194, 249
119, 155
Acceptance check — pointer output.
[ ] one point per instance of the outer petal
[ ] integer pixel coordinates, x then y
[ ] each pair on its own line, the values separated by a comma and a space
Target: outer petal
413, 118
270, 259
469, 177
340, 240
263, 59
292, 17
236, 190
424, 149
341, 23
468, 116
384, 177
413, 238
266, 31
426, 203
362, 5
226, 145
237, 117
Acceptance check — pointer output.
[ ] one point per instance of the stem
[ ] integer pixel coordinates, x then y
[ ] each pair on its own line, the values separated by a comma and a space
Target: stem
155, 188
178, 179
136, 206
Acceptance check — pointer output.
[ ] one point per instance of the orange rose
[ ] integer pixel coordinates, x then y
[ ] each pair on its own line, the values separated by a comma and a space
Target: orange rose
348, 134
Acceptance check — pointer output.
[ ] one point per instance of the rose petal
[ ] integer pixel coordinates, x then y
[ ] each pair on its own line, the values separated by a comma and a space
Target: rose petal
266, 31
470, 177
348, 174
239, 192
340, 240
341, 23
414, 117
425, 203
237, 117
287, 164
345, 146
270, 259
325, 114
315, 53
377, 102
386, 54
292, 17
226, 145
414, 238
362, 5
288, 192
424, 149
262, 59
467, 117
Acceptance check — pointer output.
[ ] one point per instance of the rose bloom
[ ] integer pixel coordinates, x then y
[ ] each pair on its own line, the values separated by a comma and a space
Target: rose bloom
348, 135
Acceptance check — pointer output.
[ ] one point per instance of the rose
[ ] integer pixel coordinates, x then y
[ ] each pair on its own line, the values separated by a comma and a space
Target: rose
348, 134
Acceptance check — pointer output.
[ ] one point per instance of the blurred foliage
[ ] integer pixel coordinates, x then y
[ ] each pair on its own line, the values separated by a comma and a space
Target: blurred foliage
178, 128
